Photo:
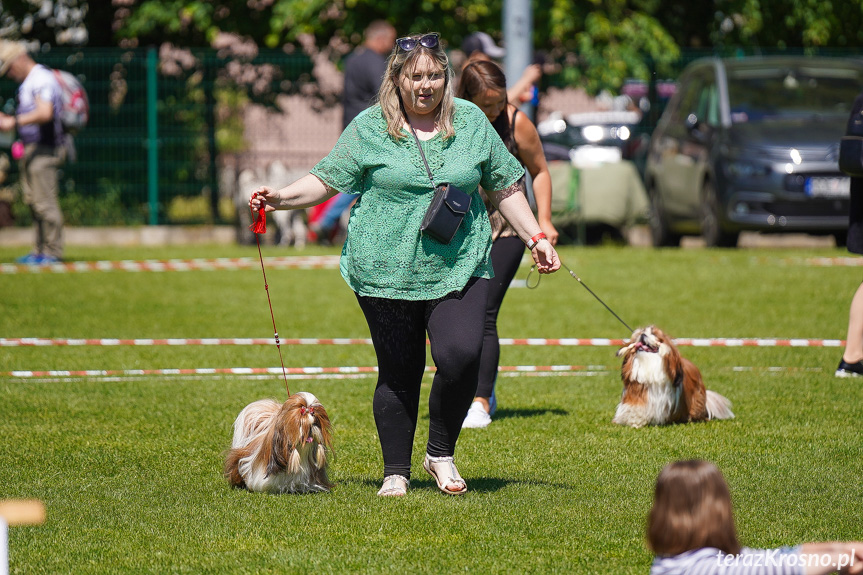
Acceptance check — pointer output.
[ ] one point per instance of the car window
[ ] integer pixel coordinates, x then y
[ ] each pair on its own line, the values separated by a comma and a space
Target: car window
699, 100
689, 100
761, 94
708, 103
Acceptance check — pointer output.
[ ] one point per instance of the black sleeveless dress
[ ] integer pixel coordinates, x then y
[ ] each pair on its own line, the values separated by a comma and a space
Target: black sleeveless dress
855, 206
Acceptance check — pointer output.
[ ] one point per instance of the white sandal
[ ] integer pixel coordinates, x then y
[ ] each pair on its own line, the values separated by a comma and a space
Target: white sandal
444, 481
394, 486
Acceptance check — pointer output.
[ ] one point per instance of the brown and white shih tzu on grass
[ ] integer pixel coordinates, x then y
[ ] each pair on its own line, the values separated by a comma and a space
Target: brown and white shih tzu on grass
281, 447
661, 387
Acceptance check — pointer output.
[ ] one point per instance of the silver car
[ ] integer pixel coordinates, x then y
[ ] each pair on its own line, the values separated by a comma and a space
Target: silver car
752, 144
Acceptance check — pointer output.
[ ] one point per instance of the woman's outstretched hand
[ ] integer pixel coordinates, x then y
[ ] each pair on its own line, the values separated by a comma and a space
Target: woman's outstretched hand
263, 197
545, 257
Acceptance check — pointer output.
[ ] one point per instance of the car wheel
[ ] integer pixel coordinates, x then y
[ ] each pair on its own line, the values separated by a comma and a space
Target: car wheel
660, 232
711, 228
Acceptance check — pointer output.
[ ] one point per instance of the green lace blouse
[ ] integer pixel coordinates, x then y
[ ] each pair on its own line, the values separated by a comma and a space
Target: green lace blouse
385, 255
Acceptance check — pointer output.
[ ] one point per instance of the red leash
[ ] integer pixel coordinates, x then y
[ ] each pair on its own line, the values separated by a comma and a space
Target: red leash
259, 226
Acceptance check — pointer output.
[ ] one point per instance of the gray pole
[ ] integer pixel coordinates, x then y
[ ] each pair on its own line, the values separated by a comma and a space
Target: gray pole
518, 39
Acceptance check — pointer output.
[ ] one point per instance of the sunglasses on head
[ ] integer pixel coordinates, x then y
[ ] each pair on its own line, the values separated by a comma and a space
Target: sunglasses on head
408, 43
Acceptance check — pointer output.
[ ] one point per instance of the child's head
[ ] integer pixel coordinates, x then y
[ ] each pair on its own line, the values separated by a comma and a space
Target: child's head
691, 510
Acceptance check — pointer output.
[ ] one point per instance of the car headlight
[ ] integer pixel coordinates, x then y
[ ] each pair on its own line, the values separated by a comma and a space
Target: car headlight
621, 133
593, 133
558, 126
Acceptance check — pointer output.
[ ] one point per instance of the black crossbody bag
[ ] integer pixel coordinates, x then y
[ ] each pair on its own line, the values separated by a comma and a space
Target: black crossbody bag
448, 207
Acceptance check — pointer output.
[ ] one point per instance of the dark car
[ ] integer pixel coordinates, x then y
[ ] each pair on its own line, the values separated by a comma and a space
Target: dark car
595, 136
752, 144
598, 192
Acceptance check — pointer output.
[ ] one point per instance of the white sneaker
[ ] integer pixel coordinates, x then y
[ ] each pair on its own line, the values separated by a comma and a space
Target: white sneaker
476, 416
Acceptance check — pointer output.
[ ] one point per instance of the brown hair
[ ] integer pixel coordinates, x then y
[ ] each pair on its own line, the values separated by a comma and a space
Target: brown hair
691, 510
401, 63
481, 75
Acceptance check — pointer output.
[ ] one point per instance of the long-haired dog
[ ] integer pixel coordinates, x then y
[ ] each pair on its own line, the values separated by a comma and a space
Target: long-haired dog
281, 447
661, 387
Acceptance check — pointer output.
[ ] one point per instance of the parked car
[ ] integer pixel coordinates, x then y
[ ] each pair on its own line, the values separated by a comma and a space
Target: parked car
590, 136
597, 191
752, 144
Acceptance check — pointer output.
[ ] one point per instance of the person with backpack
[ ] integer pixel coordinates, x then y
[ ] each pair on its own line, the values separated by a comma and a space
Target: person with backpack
38, 124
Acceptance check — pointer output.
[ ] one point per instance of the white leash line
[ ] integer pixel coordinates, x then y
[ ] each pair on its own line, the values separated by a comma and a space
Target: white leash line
541, 342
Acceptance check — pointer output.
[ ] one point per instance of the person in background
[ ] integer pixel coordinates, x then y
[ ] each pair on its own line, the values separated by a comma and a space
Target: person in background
480, 45
483, 83
7, 195
409, 286
38, 125
364, 69
691, 529
851, 363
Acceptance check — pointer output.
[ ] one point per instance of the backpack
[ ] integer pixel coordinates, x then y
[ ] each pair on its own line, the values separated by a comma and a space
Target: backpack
74, 104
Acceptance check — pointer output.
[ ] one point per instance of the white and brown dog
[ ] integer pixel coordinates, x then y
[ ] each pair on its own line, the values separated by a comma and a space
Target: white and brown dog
281, 447
661, 387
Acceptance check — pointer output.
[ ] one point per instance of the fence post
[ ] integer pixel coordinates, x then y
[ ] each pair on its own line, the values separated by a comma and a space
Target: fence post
210, 63
152, 137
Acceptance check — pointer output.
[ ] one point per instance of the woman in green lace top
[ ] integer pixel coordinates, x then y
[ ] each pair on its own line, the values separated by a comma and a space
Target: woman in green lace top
409, 285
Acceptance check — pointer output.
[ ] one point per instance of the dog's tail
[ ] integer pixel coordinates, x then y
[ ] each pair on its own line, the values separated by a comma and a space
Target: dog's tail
718, 407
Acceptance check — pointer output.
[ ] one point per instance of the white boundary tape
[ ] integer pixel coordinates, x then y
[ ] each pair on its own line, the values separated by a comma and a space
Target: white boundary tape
289, 262
284, 262
337, 372
47, 342
315, 371
541, 342
833, 262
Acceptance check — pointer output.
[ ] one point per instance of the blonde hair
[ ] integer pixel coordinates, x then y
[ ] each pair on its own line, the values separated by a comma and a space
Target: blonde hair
691, 510
401, 63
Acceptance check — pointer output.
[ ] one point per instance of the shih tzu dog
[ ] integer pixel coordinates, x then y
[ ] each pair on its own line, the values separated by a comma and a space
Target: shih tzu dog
281, 448
661, 387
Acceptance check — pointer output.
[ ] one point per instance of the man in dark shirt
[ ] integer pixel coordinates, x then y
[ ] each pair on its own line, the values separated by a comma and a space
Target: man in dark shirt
365, 68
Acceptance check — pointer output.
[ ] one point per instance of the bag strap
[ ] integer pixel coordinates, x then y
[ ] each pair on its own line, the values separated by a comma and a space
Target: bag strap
422, 154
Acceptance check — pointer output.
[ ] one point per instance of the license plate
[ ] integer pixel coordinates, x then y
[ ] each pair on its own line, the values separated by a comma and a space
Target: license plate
828, 187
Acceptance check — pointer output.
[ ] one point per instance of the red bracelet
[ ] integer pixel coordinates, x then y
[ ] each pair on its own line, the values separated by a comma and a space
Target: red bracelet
535, 240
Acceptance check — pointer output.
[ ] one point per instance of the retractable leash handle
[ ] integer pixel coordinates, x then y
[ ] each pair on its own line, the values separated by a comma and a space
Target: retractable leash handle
259, 226
578, 279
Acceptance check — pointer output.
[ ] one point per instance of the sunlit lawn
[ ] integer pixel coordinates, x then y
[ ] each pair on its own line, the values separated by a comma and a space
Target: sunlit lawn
129, 466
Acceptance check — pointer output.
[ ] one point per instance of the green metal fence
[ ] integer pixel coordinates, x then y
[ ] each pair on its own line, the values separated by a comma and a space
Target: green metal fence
152, 133
166, 129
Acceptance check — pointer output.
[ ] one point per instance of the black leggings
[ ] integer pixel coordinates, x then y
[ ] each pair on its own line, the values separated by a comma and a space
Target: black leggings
506, 256
398, 328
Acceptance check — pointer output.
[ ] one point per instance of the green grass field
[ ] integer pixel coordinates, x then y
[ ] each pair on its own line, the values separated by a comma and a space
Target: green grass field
129, 467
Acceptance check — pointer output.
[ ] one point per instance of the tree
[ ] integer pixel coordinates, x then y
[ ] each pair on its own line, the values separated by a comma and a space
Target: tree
764, 24
604, 42
60, 22
601, 42
611, 39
